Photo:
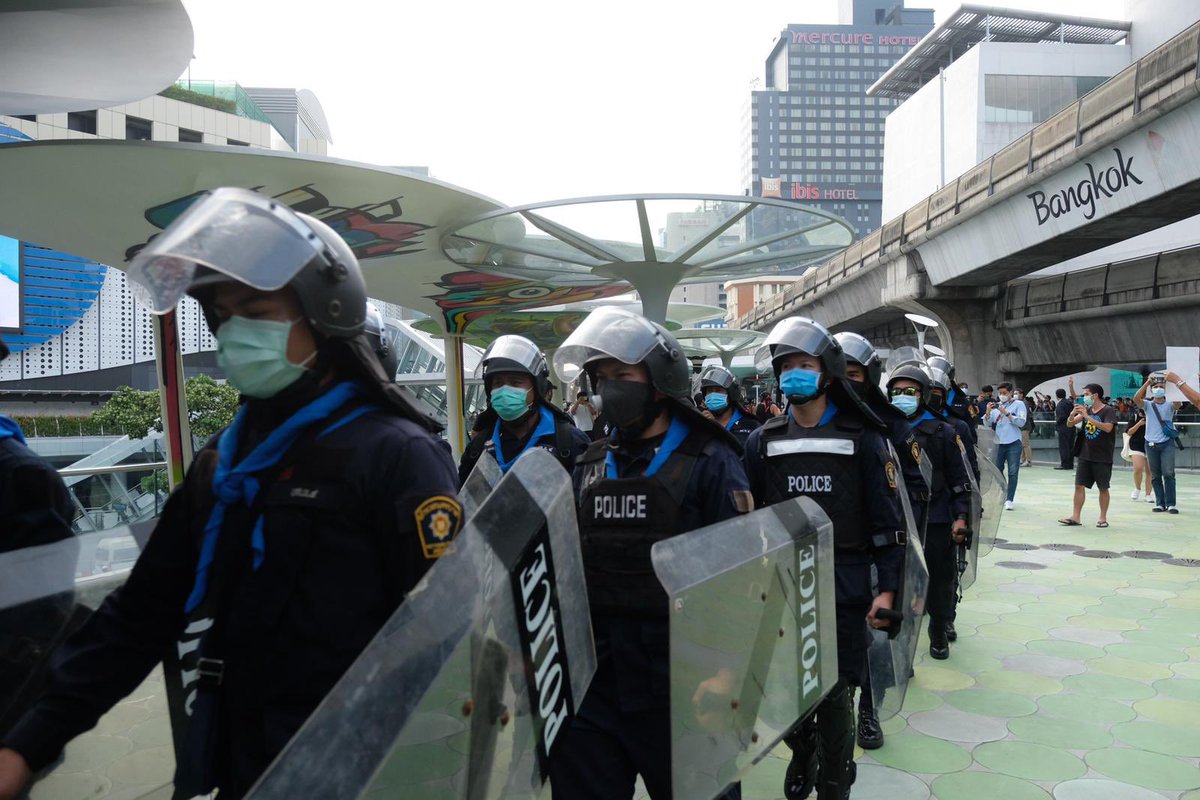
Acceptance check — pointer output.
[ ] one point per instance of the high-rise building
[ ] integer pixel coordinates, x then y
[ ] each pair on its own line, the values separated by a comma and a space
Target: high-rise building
812, 134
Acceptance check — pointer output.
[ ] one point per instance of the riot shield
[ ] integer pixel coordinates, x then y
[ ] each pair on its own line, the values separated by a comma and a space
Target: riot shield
464, 691
891, 652
986, 444
994, 489
753, 638
479, 484
48, 592
966, 555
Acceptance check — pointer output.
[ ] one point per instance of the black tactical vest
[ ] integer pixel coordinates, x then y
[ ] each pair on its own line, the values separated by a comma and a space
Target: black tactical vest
934, 446
620, 519
824, 463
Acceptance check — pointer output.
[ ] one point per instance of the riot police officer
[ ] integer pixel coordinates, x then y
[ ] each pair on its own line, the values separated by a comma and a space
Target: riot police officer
376, 333
297, 531
864, 368
942, 386
831, 446
665, 470
516, 378
723, 400
956, 402
910, 389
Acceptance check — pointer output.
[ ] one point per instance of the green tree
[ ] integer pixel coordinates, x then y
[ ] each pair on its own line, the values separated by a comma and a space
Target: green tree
135, 413
211, 405
132, 412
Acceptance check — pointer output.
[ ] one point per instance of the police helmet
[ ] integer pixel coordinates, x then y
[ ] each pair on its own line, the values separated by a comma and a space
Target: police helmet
942, 364
611, 332
860, 351
511, 353
913, 371
376, 332
721, 378
803, 335
239, 235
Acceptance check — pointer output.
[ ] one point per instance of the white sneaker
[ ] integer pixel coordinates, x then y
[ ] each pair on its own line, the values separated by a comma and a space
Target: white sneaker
1136, 494
1008, 505
1150, 497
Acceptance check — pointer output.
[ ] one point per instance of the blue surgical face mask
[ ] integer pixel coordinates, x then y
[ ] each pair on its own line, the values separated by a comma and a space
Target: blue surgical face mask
906, 404
1158, 391
802, 383
253, 355
716, 402
510, 402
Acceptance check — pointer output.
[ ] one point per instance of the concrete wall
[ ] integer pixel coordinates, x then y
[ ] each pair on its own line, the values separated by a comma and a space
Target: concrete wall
1155, 21
912, 152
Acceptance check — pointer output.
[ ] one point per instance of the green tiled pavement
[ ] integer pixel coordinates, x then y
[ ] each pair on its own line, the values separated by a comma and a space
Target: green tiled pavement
1077, 681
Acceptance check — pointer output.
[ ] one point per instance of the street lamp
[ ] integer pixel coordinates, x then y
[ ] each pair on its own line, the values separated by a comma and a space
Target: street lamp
922, 325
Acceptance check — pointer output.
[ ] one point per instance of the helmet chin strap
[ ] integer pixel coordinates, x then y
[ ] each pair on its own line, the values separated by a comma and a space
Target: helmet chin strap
797, 400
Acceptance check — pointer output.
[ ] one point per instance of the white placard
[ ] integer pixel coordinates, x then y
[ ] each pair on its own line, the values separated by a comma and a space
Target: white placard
1184, 362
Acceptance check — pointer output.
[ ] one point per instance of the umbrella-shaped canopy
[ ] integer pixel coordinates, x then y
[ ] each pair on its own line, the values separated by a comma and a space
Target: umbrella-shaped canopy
104, 200
724, 343
649, 242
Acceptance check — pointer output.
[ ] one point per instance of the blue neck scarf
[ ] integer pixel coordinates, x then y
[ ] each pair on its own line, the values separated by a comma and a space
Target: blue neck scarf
545, 426
737, 414
830, 411
927, 415
10, 430
675, 436
236, 483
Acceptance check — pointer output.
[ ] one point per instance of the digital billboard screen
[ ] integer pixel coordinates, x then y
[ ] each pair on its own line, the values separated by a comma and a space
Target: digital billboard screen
10, 284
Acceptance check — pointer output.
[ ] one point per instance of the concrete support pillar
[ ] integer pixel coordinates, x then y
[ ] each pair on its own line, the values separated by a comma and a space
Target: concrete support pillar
454, 394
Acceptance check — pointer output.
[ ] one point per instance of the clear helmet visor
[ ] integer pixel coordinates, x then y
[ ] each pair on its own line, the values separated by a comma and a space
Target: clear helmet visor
608, 332
716, 376
794, 335
514, 349
939, 378
904, 355
234, 234
857, 349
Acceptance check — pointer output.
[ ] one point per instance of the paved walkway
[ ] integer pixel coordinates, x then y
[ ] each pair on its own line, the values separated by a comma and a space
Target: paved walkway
1073, 677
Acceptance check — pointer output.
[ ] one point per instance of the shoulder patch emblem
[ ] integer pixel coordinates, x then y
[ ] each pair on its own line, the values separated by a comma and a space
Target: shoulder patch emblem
889, 469
743, 501
439, 520
916, 452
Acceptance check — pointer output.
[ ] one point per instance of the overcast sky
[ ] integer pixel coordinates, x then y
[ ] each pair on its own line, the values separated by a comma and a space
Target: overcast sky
522, 100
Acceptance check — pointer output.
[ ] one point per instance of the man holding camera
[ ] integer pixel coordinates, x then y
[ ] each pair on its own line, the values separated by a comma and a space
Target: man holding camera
1098, 422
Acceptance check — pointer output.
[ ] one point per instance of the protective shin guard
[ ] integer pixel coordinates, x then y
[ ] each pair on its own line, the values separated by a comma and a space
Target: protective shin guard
801, 776
835, 743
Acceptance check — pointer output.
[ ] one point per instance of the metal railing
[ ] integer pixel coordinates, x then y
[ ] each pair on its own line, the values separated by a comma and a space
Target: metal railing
1171, 274
1159, 81
105, 499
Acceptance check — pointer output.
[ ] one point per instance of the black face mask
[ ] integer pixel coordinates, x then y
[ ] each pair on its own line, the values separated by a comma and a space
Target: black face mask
629, 405
935, 404
859, 388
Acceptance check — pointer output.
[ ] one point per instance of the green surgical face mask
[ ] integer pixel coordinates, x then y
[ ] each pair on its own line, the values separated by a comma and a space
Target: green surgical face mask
253, 354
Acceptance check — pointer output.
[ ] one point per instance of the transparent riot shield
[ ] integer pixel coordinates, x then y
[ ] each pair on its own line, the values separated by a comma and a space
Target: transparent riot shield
966, 555
752, 635
48, 592
986, 444
479, 484
465, 690
994, 489
891, 652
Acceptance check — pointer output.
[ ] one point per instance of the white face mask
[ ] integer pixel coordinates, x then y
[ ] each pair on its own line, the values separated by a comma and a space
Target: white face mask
1003, 398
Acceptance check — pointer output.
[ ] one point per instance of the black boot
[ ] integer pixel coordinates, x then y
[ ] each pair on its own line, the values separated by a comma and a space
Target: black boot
951, 634
801, 776
939, 645
870, 735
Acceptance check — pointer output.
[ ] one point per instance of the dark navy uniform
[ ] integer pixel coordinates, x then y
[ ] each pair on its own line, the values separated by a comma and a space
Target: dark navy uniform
741, 425
965, 433
910, 455
957, 407
342, 527
950, 499
847, 468
561, 438
627, 502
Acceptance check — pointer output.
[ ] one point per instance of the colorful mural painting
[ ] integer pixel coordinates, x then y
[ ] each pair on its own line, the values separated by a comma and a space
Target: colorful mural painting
471, 295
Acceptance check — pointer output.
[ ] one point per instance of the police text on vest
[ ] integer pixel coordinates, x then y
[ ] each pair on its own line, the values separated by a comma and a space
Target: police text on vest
631, 506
